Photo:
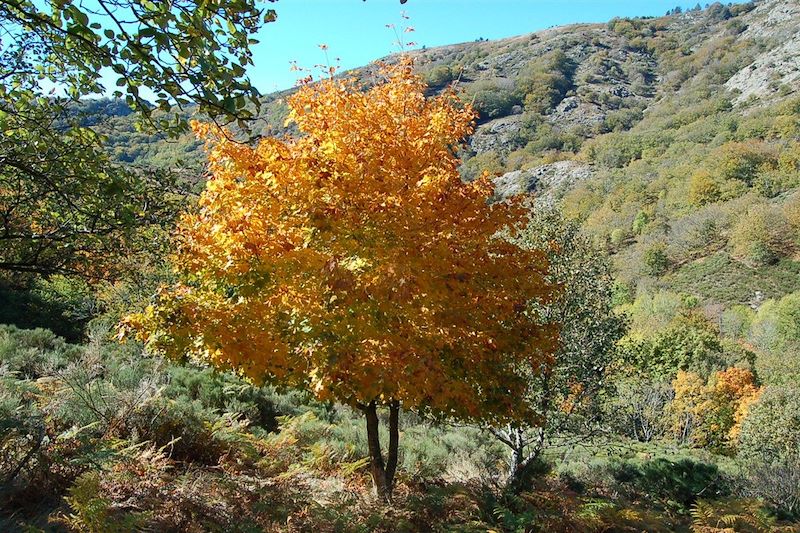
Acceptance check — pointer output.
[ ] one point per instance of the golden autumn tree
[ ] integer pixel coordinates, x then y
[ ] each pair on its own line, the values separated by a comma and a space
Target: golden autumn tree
353, 261
711, 413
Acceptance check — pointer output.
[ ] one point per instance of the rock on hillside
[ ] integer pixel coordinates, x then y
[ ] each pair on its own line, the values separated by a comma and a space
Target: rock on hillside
776, 70
545, 181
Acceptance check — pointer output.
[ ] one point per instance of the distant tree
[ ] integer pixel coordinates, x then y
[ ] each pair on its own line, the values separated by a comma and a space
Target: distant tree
761, 236
688, 343
491, 98
543, 83
354, 262
703, 188
655, 259
711, 414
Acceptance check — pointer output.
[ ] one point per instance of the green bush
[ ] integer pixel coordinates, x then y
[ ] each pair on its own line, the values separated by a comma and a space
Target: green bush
439, 76
655, 259
689, 344
769, 449
788, 314
475, 166
544, 82
32, 353
680, 482
762, 236
735, 322
60, 304
491, 98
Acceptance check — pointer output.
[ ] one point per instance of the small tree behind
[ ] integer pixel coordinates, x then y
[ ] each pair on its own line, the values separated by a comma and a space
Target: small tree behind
563, 395
353, 261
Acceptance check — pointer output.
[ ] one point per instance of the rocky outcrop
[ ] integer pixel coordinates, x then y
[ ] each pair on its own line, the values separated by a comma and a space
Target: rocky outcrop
546, 181
498, 135
777, 69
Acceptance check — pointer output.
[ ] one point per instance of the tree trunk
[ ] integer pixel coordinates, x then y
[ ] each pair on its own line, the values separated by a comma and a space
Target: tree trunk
524, 453
382, 473
517, 461
394, 442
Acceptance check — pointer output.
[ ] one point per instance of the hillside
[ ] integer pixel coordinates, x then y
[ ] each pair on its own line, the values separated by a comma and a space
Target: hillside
631, 108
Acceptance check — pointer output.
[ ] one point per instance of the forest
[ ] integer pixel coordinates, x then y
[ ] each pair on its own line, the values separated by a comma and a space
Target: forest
536, 284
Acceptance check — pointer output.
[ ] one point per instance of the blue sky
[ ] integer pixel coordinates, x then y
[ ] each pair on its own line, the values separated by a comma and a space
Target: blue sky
356, 32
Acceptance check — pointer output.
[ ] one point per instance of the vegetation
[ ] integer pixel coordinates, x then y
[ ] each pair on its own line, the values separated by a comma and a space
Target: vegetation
354, 307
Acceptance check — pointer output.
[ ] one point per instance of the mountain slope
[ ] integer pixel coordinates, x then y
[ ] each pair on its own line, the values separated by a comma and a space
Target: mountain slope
659, 134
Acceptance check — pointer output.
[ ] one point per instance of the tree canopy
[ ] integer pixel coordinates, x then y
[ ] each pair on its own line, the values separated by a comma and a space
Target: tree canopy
65, 207
185, 52
355, 262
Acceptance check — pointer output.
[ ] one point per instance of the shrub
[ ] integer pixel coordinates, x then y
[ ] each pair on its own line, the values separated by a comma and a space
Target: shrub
743, 161
703, 189
735, 321
544, 81
439, 76
655, 259
689, 343
640, 222
616, 151
31, 353
622, 120
638, 408
762, 236
491, 98
681, 482
788, 315
769, 449
474, 167
791, 210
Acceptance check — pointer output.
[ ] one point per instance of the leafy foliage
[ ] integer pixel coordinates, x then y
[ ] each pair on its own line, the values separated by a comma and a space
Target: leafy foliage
65, 207
353, 260
566, 396
147, 44
770, 451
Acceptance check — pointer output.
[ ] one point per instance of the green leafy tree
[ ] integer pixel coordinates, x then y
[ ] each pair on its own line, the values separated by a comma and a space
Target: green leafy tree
565, 395
688, 343
148, 45
545, 81
762, 236
655, 259
769, 448
64, 206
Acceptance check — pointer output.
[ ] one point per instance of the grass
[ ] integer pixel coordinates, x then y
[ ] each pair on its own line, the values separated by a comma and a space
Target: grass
720, 279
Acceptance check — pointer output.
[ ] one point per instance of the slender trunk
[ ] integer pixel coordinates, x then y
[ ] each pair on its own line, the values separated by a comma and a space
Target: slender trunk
517, 456
382, 473
524, 453
394, 442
